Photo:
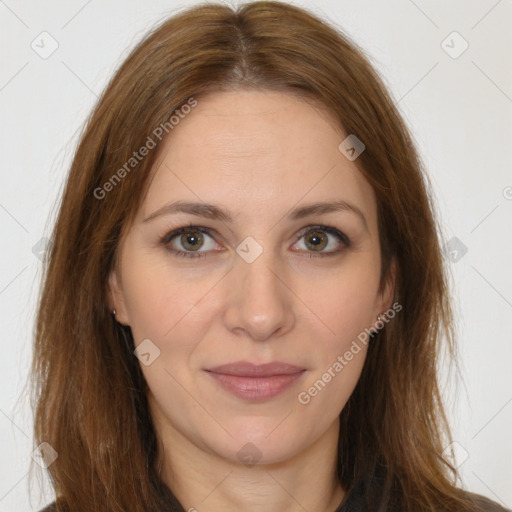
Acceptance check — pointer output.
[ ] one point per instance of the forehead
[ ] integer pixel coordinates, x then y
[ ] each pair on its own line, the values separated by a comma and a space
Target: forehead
238, 125
258, 152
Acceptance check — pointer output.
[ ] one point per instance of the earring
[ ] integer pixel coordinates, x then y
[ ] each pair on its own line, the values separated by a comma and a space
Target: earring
382, 320
377, 330
114, 312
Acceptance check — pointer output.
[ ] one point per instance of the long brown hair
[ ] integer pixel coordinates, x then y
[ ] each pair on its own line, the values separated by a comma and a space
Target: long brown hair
89, 393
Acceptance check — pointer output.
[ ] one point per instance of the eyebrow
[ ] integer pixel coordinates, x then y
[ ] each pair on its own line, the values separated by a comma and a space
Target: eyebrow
211, 211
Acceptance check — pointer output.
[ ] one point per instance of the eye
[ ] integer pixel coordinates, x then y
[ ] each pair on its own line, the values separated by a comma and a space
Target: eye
188, 241
318, 238
196, 241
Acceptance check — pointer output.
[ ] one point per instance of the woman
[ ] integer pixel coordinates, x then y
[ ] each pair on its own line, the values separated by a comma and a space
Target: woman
244, 299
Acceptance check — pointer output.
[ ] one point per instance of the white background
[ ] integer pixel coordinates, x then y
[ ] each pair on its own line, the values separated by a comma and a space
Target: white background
459, 111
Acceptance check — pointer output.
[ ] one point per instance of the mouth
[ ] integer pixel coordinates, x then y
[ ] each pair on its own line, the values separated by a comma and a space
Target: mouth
256, 382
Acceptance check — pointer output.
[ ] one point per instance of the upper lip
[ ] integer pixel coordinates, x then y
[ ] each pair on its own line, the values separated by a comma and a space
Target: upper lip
247, 369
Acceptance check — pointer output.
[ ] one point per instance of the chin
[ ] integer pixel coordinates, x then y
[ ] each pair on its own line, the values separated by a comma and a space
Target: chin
251, 444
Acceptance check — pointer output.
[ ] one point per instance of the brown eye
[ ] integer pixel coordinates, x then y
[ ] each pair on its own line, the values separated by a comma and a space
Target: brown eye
189, 241
322, 240
192, 240
316, 240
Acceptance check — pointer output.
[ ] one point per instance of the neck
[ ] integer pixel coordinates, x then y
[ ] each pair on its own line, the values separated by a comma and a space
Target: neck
206, 481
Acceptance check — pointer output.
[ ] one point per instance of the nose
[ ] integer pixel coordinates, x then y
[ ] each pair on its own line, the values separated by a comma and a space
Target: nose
259, 303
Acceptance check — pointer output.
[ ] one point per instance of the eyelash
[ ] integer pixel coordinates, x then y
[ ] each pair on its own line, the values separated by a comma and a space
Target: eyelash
168, 237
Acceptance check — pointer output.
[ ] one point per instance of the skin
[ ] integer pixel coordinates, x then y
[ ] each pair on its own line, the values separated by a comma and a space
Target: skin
260, 154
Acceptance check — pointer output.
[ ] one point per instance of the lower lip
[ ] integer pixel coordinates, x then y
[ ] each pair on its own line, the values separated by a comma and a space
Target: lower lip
256, 388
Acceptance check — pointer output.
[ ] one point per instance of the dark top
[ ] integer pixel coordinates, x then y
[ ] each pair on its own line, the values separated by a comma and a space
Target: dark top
354, 502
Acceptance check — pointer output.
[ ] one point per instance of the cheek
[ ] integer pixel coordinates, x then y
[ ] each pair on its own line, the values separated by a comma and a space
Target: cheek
344, 304
326, 392
343, 300
345, 308
172, 309
158, 297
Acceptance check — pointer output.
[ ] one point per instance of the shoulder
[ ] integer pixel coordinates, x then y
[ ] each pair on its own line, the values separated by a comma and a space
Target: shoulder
486, 504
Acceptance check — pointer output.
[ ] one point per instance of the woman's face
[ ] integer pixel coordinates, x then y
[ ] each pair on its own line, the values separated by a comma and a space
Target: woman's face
259, 278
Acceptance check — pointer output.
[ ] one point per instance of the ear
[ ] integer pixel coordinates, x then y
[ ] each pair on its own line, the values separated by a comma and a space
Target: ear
388, 293
115, 297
